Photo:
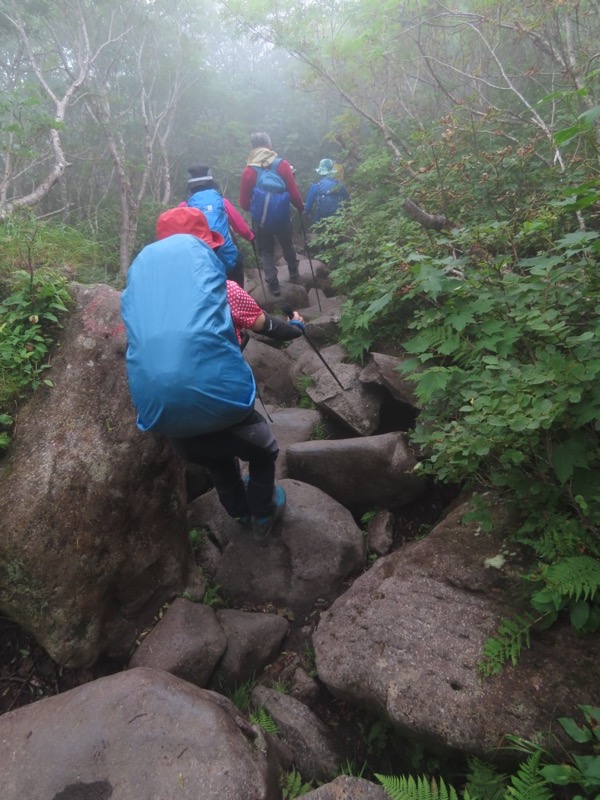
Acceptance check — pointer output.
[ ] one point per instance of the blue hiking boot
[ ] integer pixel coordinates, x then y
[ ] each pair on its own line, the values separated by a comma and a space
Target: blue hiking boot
262, 526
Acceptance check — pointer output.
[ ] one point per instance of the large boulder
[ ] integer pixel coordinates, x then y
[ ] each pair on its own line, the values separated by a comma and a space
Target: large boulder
405, 640
338, 393
93, 527
253, 642
137, 735
359, 473
311, 552
272, 371
290, 426
317, 752
188, 641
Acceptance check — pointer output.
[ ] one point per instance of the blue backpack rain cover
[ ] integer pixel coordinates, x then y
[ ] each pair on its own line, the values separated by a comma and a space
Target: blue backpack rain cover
210, 202
270, 201
187, 375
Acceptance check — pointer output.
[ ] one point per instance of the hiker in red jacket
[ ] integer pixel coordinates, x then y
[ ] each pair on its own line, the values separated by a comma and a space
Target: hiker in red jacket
261, 157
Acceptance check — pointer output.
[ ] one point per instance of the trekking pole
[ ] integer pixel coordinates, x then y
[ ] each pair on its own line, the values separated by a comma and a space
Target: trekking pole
259, 272
307, 249
287, 309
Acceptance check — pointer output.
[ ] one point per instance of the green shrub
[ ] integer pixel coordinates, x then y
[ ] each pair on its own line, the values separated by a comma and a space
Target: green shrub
30, 317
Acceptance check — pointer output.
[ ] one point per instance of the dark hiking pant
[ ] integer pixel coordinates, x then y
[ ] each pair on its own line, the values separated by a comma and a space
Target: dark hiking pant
251, 440
266, 247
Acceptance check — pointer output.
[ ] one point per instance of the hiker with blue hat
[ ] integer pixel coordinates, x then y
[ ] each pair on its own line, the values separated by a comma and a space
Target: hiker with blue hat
326, 195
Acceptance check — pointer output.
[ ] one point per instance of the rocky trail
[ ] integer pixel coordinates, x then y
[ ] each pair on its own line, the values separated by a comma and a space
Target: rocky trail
150, 649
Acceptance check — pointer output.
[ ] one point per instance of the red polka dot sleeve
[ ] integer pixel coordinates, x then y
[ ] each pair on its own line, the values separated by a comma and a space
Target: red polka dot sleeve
244, 309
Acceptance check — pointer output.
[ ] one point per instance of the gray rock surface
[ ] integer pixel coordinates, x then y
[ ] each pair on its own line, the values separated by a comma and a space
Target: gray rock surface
328, 305
92, 531
406, 638
294, 294
137, 735
345, 788
317, 755
364, 471
312, 550
188, 641
253, 641
307, 362
383, 371
290, 426
380, 533
272, 372
357, 405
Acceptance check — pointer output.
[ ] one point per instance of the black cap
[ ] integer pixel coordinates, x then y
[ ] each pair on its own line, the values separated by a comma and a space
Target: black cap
199, 174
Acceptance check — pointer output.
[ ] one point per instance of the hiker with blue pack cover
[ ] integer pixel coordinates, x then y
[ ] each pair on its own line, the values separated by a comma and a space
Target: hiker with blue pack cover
222, 218
267, 191
326, 195
187, 375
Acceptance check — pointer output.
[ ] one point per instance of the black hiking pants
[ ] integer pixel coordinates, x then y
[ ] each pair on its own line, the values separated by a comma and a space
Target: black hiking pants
266, 247
250, 440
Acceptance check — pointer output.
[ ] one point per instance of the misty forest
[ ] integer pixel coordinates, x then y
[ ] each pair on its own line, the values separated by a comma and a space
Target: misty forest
467, 134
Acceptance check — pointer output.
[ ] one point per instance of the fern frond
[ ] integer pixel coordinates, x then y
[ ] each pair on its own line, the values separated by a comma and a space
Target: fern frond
511, 636
529, 783
419, 789
484, 781
292, 785
575, 577
264, 720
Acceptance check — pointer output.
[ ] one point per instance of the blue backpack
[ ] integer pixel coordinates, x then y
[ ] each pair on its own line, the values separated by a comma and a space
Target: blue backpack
210, 202
331, 195
270, 202
187, 375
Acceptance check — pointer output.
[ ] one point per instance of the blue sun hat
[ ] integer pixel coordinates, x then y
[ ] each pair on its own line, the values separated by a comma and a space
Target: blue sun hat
326, 167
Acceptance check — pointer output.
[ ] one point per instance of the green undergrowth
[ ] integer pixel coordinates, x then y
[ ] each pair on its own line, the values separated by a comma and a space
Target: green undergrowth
538, 775
30, 317
497, 321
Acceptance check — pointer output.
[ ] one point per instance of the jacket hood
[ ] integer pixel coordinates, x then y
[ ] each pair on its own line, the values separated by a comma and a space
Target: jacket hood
261, 157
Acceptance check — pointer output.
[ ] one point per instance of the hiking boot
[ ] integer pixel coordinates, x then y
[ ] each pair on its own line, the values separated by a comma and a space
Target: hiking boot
275, 289
294, 275
262, 526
